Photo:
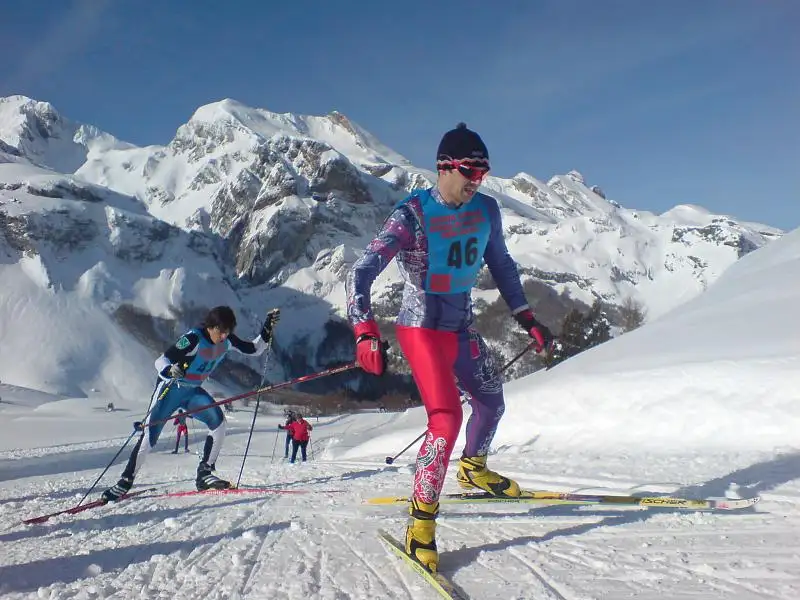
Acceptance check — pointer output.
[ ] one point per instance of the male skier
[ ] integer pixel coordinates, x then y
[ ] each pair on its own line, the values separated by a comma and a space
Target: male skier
182, 369
440, 237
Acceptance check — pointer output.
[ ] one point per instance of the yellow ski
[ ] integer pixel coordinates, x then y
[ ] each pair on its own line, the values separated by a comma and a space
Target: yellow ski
445, 587
544, 497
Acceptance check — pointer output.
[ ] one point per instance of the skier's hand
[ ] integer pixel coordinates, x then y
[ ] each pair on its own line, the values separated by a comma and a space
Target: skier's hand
176, 372
370, 351
272, 319
535, 329
281, 426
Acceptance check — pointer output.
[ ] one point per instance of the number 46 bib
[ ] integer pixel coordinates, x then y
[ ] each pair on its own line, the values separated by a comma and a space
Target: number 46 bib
457, 239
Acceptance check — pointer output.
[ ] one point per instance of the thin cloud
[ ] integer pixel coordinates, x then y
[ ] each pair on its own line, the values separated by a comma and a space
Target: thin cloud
542, 64
70, 34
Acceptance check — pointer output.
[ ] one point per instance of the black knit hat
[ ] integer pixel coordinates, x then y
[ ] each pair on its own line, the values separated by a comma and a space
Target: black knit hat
462, 143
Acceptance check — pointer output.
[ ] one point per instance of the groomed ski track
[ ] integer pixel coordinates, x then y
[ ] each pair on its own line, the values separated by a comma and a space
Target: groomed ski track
324, 544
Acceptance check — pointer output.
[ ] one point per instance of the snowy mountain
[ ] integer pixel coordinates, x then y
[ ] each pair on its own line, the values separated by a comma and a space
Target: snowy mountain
78, 262
260, 209
701, 402
38, 132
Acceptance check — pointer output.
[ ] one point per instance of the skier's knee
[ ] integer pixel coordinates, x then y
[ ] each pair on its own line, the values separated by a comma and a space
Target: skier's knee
446, 424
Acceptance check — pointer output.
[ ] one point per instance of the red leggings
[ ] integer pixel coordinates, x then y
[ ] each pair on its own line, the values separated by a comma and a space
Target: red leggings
432, 356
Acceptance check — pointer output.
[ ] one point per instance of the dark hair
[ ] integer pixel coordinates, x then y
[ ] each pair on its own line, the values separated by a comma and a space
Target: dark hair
221, 317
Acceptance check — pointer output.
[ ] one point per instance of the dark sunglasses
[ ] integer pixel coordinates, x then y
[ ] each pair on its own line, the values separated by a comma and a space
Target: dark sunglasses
468, 170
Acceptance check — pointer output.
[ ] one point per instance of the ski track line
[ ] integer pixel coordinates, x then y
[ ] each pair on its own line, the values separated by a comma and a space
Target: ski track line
727, 585
721, 581
317, 569
254, 559
207, 553
367, 563
535, 576
551, 585
93, 535
548, 587
402, 572
194, 522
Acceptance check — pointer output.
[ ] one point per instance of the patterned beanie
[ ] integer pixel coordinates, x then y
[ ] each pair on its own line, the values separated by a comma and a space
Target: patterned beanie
462, 143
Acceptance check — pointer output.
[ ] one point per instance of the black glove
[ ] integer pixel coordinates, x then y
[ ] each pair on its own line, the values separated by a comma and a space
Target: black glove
539, 332
273, 317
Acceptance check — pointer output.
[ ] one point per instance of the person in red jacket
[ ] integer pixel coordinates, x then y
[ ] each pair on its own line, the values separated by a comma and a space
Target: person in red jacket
289, 421
180, 423
299, 430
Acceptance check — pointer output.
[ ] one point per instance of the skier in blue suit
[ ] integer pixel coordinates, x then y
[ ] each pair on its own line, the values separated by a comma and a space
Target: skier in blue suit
182, 369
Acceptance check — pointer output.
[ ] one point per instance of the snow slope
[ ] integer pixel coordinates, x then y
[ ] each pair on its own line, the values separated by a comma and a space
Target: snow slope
701, 402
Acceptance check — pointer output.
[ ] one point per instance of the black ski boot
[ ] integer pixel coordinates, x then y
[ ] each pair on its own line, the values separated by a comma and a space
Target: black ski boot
206, 480
118, 490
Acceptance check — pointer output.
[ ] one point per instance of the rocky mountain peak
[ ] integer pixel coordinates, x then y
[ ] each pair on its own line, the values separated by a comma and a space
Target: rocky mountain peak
38, 132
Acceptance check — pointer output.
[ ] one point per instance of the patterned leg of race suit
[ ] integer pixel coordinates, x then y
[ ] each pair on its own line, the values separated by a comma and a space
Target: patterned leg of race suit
478, 374
165, 401
432, 356
213, 418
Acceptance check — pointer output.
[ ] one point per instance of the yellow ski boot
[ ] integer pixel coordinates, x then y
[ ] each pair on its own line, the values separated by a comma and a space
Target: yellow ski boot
421, 534
472, 473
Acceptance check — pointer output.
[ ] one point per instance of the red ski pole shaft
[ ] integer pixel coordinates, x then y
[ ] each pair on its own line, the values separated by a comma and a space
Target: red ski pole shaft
269, 388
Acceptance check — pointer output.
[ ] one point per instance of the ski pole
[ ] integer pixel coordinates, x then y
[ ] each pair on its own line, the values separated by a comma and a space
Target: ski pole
269, 388
275, 445
138, 427
258, 401
89, 491
391, 459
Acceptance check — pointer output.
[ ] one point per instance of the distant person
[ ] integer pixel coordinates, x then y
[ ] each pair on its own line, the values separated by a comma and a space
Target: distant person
182, 429
441, 236
182, 369
110, 407
300, 430
289, 421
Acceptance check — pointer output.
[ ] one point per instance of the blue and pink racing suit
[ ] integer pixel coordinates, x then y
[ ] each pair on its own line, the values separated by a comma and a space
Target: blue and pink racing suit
439, 251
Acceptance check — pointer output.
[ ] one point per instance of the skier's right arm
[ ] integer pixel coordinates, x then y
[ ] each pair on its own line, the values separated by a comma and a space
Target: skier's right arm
180, 353
396, 234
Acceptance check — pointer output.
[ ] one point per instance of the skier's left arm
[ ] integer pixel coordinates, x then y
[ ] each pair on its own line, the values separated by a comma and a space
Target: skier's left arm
500, 264
261, 342
505, 274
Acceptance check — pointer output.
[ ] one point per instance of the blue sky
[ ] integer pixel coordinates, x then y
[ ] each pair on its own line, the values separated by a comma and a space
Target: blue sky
659, 103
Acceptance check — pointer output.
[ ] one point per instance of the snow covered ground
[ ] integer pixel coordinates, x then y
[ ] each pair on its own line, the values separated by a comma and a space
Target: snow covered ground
704, 401
323, 544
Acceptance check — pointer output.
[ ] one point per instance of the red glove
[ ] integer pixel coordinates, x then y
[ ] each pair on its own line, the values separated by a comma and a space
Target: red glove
370, 352
536, 330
